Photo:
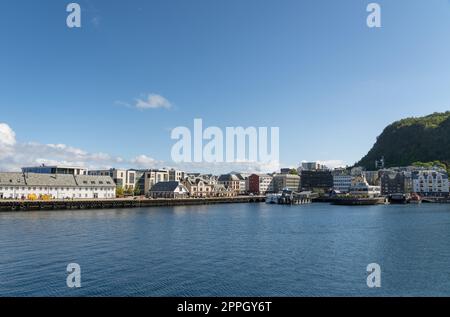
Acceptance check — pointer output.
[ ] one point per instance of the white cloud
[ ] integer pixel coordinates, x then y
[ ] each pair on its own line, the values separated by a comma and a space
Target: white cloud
143, 161
7, 141
150, 101
7, 135
153, 101
14, 155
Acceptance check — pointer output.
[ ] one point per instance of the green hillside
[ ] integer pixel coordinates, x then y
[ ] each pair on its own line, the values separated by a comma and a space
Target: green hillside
423, 139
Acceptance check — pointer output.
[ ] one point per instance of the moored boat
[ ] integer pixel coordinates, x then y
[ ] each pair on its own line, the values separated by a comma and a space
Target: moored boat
415, 199
359, 201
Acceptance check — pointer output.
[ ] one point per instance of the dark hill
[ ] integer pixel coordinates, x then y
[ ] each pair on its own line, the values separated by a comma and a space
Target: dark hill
410, 140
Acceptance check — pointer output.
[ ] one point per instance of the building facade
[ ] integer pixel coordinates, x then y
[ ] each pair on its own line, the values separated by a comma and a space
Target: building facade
176, 175
168, 189
316, 181
123, 178
396, 182
285, 181
260, 184
152, 177
56, 169
198, 188
230, 181
430, 183
55, 186
342, 183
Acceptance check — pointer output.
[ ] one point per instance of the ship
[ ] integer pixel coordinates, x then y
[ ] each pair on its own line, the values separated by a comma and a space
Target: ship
359, 201
415, 199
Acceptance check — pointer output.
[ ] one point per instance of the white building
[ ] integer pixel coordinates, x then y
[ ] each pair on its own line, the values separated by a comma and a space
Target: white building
176, 175
152, 177
342, 183
430, 183
55, 186
260, 184
170, 189
243, 183
123, 178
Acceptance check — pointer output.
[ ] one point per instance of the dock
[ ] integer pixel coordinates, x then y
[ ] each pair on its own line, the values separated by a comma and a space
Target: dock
354, 201
80, 204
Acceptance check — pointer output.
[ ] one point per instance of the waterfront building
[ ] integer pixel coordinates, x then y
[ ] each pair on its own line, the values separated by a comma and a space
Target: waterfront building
342, 183
285, 181
430, 182
168, 189
396, 182
220, 190
123, 178
56, 169
210, 179
198, 187
316, 181
230, 181
360, 187
260, 184
176, 175
55, 186
243, 183
154, 176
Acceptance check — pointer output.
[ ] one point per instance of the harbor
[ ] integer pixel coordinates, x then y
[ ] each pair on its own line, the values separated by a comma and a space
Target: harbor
36, 205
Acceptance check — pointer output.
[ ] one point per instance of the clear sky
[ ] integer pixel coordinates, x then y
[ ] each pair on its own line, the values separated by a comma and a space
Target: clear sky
312, 68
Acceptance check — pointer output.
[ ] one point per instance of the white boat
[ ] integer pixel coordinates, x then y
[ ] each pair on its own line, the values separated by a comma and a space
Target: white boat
272, 198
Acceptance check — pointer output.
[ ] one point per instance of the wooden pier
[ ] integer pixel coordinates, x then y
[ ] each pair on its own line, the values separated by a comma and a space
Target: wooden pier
28, 205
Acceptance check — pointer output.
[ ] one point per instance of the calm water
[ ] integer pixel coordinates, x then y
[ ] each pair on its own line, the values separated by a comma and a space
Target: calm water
228, 250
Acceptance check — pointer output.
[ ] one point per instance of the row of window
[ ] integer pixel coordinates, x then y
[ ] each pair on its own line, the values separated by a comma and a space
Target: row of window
19, 196
52, 189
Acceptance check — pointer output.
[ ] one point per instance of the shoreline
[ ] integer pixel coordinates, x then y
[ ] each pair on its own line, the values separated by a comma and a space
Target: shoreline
82, 204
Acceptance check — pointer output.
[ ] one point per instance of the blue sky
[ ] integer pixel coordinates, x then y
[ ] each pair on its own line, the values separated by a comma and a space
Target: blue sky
312, 68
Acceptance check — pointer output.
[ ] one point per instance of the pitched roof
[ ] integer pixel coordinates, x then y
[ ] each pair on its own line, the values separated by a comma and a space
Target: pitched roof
7, 179
94, 181
33, 179
170, 186
228, 178
56, 180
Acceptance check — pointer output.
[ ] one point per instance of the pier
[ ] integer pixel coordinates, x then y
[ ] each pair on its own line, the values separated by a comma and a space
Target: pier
29, 205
